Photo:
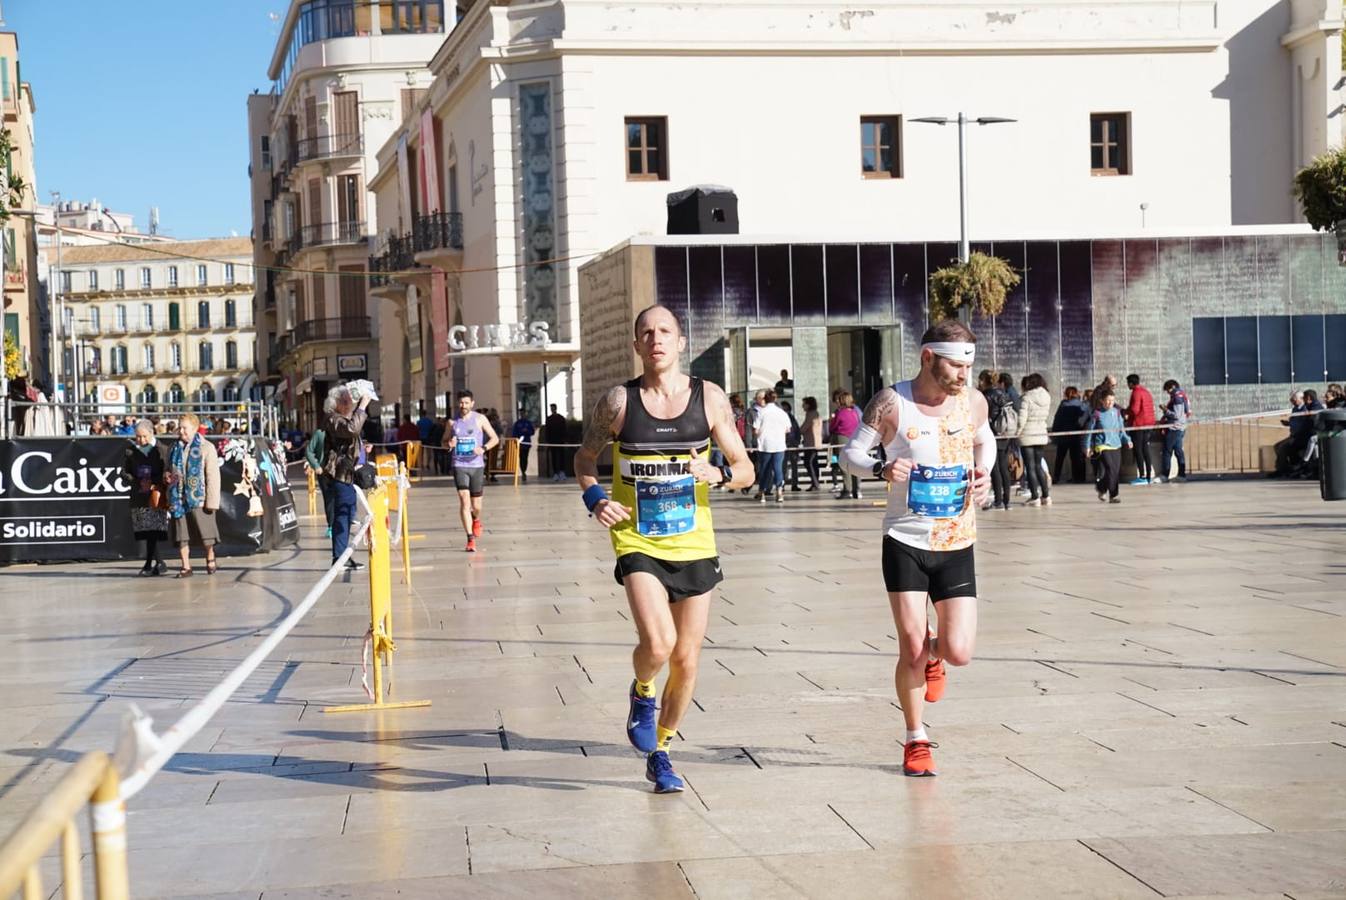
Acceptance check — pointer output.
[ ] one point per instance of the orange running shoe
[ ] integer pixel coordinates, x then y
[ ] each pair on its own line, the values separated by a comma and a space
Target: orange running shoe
934, 680
916, 759
476, 527
471, 545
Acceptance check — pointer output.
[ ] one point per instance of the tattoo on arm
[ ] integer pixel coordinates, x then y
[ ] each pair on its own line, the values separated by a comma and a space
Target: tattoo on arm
880, 406
599, 429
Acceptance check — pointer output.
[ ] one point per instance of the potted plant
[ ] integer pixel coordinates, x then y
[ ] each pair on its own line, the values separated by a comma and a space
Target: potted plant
1320, 188
979, 284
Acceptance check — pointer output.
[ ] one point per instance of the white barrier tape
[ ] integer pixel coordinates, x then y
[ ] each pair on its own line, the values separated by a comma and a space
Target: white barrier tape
364, 665
108, 815
149, 757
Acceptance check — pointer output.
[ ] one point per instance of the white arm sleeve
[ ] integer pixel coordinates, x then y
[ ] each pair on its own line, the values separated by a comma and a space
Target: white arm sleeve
855, 456
983, 447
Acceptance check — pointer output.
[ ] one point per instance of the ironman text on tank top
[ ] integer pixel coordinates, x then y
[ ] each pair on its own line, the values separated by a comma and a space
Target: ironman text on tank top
654, 474
938, 514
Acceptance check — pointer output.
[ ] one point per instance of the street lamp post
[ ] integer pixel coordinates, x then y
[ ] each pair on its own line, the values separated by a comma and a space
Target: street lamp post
964, 250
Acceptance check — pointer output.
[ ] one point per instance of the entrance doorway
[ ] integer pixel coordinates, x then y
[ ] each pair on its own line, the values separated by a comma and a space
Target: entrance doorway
864, 360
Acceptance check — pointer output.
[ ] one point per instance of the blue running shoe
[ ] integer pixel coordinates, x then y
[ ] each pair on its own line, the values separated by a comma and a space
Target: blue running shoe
659, 771
640, 730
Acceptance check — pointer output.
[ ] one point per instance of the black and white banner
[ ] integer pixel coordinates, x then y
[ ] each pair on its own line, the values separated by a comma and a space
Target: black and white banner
66, 499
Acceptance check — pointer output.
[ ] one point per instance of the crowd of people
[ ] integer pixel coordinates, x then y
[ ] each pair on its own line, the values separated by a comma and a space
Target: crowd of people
1297, 452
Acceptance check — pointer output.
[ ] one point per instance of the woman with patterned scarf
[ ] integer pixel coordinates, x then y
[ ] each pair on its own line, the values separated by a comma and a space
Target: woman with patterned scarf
194, 493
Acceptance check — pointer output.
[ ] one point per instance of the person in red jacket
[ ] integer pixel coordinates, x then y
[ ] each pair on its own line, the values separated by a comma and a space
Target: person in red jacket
1140, 418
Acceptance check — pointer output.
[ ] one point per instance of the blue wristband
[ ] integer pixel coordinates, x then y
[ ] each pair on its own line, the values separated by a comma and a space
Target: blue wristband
593, 495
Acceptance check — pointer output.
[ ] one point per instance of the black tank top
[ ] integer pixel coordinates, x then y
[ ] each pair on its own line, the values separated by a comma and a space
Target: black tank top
643, 432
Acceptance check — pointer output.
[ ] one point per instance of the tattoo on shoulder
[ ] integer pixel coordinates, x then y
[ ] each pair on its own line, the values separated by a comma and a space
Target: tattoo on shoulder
880, 405
718, 401
598, 431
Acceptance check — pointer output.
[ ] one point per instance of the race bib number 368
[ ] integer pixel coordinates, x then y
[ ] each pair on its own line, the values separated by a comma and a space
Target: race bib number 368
665, 508
938, 492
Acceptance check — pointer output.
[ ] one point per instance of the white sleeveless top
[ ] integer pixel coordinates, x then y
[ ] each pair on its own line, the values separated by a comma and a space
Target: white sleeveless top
933, 510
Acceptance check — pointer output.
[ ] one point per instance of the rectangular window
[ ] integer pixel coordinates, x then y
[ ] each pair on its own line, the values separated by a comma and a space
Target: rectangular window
231, 355
1335, 332
172, 276
121, 279
881, 146
411, 98
1208, 350
65, 282
1273, 349
119, 316
1309, 354
348, 205
229, 273
1240, 349
266, 151
647, 149
201, 275
147, 315
93, 279
1110, 143
145, 278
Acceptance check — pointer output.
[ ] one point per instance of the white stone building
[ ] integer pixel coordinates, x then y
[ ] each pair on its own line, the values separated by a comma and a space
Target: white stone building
170, 320
343, 76
560, 127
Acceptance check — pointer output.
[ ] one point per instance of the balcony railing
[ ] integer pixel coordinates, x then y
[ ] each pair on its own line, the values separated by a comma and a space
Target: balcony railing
439, 231
328, 234
330, 146
348, 327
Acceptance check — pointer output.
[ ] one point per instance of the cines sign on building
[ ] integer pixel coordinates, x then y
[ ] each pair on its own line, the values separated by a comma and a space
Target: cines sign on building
66, 499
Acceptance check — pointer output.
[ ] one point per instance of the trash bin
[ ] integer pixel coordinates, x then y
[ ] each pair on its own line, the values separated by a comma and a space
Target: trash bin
1330, 425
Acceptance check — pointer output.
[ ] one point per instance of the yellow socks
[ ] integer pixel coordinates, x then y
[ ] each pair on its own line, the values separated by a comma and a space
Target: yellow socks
665, 738
644, 689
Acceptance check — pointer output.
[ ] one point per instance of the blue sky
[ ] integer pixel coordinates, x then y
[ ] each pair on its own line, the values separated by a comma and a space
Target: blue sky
143, 103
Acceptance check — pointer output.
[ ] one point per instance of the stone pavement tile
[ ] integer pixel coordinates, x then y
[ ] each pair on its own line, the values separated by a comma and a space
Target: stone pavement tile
1296, 806
932, 815
1272, 764
663, 881
1223, 864
234, 823
300, 788
1065, 869
681, 833
298, 862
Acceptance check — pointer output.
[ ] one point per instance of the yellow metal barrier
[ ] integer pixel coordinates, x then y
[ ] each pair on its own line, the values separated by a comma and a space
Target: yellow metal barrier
504, 460
312, 491
93, 780
380, 634
405, 529
414, 458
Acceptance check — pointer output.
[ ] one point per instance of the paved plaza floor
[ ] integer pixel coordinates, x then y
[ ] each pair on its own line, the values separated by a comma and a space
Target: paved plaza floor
1157, 707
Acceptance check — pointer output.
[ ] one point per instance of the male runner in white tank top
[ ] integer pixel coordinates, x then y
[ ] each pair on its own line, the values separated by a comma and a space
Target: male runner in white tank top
939, 450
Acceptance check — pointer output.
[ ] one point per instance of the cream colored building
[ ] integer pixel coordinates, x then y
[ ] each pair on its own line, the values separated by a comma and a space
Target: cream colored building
559, 128
22, 291
344, 76
171, 320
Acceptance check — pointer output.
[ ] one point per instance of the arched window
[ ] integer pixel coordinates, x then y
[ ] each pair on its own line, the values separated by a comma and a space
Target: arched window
206, 394
174, 394
231, 314
230, 393
148, 396
203, 314
175, 357
231, 355
207, 356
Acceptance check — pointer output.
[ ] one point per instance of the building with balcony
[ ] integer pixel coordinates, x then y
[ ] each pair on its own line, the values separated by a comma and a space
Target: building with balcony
174, 321
343, 76
23, 296
558, 129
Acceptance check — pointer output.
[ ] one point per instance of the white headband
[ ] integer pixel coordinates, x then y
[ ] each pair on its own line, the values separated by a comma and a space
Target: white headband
958, 351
